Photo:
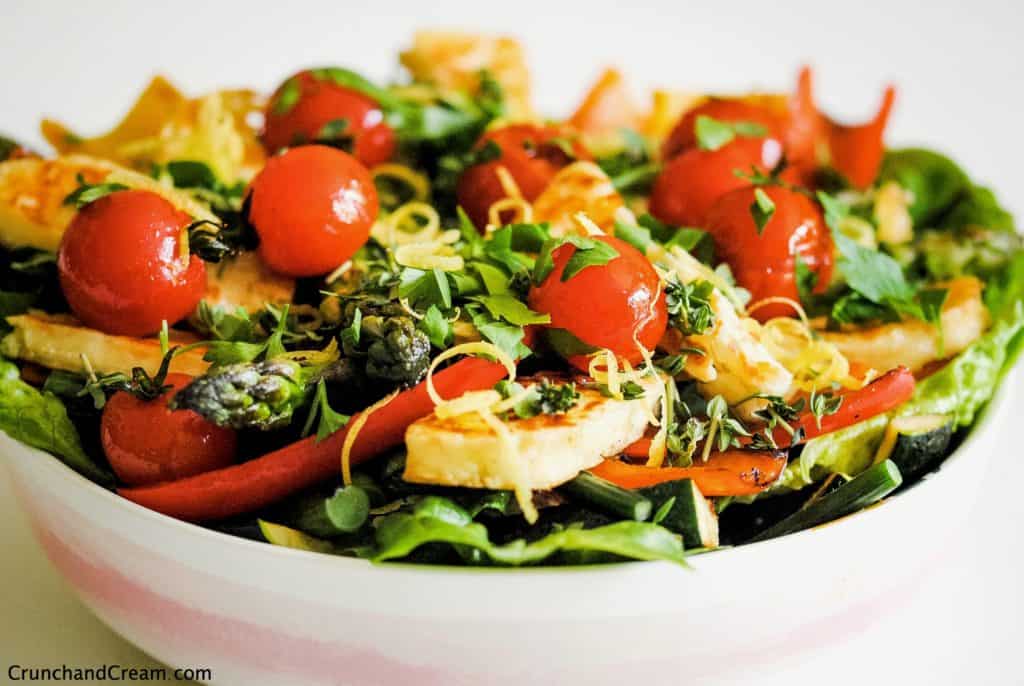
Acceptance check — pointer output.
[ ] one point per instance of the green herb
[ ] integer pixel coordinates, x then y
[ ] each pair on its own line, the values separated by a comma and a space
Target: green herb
329, 420
684, 436
425, 288
87, 193
508, 337
712, 134
823, 404
628, 390
588, 253
689, 305
724, 430
511, 310
437, 328
224, 352
761, 209
349, 336
544, 397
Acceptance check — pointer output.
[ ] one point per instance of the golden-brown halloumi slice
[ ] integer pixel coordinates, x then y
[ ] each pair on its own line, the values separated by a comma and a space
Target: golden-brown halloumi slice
59, 342
579, 187
454, 60
245, 281
464, 451
915, 343
32, 193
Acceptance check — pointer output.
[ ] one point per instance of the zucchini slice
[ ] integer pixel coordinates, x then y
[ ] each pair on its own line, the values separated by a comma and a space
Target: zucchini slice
863, 490
689, 514
915, 442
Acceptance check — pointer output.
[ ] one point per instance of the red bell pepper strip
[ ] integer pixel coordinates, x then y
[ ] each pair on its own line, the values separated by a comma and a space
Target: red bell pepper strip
857, 151
733, 472
854, 151
251, 485
885, 393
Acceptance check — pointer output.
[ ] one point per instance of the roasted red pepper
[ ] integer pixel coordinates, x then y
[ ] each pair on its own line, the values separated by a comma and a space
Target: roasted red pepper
855, 151
733, 472
885, 393
248, 486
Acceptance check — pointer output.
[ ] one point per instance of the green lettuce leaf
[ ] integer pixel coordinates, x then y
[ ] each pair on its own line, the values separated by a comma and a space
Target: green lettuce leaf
439, 520
934, 179
40, 420
959, 389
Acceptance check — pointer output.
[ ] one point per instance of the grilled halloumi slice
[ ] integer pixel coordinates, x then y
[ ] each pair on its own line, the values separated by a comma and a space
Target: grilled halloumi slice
32, 193
454, 60
547, 450
245, 281
737, 365
33, 214
579, 187
60, 342
915, 343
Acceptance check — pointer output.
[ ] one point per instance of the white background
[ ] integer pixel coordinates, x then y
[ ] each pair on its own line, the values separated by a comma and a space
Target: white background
960, 71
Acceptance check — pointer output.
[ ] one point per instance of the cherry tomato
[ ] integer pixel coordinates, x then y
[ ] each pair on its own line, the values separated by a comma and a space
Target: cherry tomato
121, 265
531, 154
313, 207
690, 184
609, 306
764, 262
307, 102
146, 442
683, 136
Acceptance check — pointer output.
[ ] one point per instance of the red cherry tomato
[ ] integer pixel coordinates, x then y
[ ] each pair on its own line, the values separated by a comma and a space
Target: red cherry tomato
764, 263
146, 442
121, 266
312, 207
609, 306
684, 137
690, 184
530, 157
307, 102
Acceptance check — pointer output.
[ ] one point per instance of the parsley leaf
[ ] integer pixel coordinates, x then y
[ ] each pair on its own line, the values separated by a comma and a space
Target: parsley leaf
511, 310
425, 287
437, 328
588, 253
330, 421
88, 192
712, 134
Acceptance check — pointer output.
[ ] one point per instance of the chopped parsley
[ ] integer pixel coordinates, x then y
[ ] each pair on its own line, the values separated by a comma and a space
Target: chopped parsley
90, 192
713, 134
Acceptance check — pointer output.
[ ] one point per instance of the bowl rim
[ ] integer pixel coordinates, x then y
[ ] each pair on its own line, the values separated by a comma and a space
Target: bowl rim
13, 450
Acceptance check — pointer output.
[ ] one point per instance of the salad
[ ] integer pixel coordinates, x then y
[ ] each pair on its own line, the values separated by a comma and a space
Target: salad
420, 321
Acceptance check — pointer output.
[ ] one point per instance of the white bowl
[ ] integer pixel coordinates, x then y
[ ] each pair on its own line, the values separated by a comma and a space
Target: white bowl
259, 614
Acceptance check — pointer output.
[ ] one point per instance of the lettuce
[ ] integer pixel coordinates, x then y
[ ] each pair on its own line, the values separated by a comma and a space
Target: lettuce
439, 520
40, 420
959, 389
